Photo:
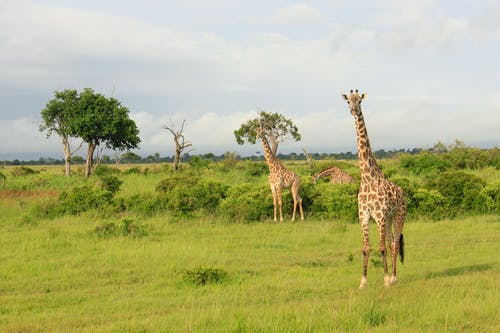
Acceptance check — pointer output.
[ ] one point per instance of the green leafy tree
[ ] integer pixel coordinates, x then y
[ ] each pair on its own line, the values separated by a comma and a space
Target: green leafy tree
57, 117
104, 122
131, 157
276, 128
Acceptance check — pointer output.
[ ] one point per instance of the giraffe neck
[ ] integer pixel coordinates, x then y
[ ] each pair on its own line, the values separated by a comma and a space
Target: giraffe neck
325, 172
268, 154
367, 162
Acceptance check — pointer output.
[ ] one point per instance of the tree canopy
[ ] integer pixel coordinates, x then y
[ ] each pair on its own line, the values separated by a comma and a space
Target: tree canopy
96, 119
275, 127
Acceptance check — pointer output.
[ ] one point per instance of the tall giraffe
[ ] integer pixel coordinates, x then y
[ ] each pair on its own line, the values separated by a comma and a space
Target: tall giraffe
377, 198
336, 174
279, 178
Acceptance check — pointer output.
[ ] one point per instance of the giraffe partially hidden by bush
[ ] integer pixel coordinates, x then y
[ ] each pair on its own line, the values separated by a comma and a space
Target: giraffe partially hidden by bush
336, 174
377, 198
279, 178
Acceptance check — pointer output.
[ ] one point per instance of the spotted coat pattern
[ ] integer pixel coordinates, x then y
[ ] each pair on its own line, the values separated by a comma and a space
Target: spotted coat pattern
336, 174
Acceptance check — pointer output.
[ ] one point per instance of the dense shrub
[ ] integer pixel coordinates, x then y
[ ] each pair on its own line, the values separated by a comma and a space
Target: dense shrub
198, 162
491, 196
338, 201
104, 170
82, 199
185, 194
429, 203
247, 202
132, 171
146, 204
474, 158
111, 184
425, 163
255, 169
461, 190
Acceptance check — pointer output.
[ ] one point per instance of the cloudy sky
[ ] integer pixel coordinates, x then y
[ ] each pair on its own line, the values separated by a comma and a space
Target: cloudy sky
431, 69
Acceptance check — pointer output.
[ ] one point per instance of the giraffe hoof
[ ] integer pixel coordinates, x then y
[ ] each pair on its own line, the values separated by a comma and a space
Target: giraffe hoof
362, 283
394, 280
387, 281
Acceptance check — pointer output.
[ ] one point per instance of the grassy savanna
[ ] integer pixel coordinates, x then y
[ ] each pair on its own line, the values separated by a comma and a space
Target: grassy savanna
119, 270
58, 276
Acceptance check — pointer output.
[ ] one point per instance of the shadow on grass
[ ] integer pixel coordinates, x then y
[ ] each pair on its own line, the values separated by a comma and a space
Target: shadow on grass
459, 271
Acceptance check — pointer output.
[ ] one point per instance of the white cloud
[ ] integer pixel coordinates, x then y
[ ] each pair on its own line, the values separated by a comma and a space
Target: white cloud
298, 14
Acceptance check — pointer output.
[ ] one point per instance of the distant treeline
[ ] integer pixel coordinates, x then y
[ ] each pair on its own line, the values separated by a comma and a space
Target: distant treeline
468, 156
130, 157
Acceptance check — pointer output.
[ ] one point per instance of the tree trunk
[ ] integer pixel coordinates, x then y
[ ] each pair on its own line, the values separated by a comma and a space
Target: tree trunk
90, 160
67, 156
177, 158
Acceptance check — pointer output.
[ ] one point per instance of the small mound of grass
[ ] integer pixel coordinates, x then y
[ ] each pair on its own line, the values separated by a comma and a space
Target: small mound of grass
203, 275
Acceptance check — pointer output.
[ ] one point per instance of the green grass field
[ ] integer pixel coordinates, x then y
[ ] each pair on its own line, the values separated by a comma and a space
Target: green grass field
115, 270
61, 275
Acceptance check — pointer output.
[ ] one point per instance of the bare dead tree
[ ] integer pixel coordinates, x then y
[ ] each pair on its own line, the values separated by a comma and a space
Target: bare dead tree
309, 159
180, 141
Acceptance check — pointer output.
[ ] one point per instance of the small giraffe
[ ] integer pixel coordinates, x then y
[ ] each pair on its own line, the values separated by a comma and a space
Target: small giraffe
280, 177
337, 175
377, 198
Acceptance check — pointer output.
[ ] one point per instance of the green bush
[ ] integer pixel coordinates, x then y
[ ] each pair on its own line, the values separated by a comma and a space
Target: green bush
246, 203
146, 204
337, 201
461, 190
202, 275
185, 194
111, 183
430, 203
82, 199
133, 171
490, 195
104, 170
424, 163
198, 162
474, 158
255, 169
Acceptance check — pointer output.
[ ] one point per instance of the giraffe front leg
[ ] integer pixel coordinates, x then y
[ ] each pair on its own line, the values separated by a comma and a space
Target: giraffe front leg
364, 219
280, 203
273, 191
301, 211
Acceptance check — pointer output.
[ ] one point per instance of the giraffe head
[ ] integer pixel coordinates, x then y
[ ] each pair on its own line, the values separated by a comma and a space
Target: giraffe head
259, 132
354, 100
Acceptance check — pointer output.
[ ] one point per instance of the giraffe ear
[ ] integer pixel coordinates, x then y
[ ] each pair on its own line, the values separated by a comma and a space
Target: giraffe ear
345, 97
363, 95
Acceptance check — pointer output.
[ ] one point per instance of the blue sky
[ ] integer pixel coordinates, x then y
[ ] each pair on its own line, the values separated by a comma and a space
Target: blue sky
431, 69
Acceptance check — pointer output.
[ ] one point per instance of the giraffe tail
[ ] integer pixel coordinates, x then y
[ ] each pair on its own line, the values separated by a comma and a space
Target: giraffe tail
401, 248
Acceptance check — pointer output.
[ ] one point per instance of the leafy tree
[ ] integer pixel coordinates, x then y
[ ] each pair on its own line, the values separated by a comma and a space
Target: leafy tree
131, 157
57, 116
276, 128
103, 121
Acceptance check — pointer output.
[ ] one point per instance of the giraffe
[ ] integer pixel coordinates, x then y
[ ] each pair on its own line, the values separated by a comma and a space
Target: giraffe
337, 175
377, 198
280, 177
